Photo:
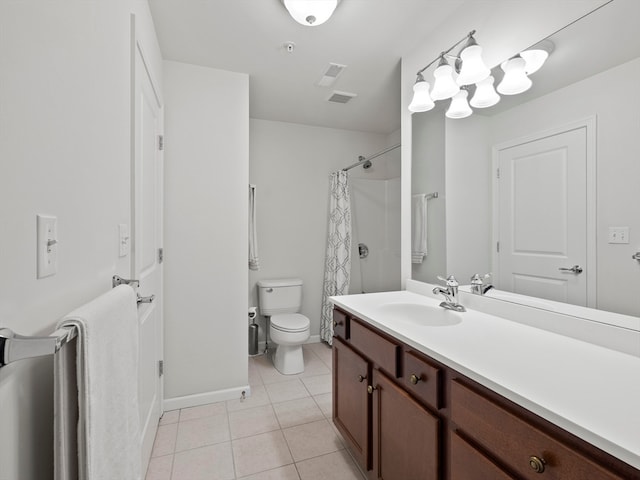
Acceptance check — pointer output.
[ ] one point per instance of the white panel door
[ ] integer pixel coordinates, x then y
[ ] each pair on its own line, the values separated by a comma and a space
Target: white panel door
147, 240
543, 217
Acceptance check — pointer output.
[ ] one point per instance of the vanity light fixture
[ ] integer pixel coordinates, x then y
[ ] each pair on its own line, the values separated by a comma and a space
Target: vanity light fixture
471, 77
515, 78
311, 13
459, 107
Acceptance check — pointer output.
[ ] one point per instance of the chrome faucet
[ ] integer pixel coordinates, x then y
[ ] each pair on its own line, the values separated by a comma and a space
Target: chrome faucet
450, 294
478, 286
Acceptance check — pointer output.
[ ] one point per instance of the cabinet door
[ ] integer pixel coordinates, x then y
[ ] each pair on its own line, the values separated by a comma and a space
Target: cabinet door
405, 435
351, 401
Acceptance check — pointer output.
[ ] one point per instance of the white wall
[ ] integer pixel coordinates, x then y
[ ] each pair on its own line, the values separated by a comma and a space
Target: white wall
206, 233
65, 120
290, 165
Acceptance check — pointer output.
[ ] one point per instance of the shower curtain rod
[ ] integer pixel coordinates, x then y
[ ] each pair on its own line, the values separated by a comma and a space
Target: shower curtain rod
363, 160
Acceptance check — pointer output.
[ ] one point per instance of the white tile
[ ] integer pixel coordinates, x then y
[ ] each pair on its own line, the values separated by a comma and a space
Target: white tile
325, 402
214, 462
203, 411
171, 416
297, 412
318, 384
160, 468
260, 453
336, 466
253, 421
165, 441
257, 398
283, 473
287, 390
312, 440
202, 431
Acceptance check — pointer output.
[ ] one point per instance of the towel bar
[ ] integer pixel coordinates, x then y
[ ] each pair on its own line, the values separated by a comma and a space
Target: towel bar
18, 347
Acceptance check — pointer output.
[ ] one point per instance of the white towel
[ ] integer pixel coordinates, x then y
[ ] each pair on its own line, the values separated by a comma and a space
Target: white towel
106, 383
254, 263
418, 228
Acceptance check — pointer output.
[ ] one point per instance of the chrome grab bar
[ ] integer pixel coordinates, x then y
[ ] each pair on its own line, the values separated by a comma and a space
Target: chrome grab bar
18, 347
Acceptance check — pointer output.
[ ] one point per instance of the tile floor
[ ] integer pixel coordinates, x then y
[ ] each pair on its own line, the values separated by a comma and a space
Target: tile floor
283, 431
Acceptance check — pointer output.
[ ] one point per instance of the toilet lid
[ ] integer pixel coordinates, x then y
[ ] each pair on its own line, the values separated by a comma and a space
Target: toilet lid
290, 322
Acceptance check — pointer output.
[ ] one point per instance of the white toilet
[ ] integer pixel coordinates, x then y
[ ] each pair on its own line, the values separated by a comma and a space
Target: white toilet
280, 300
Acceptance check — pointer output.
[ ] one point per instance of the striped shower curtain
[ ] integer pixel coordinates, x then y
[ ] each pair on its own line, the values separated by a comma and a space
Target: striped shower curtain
337, 265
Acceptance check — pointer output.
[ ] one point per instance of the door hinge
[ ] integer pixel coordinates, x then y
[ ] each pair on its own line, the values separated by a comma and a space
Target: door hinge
498, 247
160, 255
160, 142
497, 173
160, 368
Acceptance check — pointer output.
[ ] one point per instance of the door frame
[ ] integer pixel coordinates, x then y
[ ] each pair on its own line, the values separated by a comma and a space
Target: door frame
590, 125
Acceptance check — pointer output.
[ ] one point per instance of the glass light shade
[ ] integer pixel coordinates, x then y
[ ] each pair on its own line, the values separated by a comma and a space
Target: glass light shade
485, 95
473, 68
311, 12
421, 101
534, 59
515, 78
459, 107
444, 85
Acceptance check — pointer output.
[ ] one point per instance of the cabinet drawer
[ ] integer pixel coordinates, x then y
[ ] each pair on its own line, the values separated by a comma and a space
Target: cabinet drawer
467, 463
379, 349
422, 379
516, 443
340, 324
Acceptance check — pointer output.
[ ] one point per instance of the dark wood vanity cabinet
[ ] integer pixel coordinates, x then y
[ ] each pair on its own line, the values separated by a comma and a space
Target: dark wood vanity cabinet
406, 416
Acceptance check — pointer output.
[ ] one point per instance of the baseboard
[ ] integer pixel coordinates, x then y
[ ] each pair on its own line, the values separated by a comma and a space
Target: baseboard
205, 398
312, 339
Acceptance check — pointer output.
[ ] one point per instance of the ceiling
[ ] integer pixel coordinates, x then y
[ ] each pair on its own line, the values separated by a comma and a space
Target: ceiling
368, 36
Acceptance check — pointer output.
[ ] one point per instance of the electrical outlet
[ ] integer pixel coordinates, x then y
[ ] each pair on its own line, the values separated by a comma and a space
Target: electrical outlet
618, 234
47, 245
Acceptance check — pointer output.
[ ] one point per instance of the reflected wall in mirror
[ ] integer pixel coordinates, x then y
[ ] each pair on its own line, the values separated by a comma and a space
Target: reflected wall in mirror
588, 90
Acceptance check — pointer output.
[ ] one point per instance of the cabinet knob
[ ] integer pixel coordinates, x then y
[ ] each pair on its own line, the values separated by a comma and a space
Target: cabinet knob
536, 463
362, 378
414, 379
336, 323
371, 388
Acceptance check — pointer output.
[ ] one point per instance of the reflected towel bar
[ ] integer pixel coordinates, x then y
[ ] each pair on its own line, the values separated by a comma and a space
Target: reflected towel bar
429, 196
15, 347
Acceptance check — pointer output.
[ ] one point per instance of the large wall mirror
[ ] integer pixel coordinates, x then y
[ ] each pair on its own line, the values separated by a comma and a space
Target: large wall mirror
545, 180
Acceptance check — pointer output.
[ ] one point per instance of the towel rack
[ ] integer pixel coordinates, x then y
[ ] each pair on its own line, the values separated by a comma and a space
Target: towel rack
429, 196
18, 347
15, 347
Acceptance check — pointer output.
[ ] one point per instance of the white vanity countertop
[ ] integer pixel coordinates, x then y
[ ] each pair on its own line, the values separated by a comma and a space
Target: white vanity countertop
589, 390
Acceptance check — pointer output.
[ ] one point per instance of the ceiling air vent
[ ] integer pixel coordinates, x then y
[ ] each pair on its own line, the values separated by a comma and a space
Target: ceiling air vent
341, 97
331, 74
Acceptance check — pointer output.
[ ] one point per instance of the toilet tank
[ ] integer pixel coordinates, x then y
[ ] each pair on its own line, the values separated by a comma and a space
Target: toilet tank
278, 296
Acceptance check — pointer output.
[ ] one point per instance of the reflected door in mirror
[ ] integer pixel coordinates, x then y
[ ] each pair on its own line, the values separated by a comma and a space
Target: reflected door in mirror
543, 218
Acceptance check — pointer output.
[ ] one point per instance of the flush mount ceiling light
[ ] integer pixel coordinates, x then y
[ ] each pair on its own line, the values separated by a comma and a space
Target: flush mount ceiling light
474, 77
310, 13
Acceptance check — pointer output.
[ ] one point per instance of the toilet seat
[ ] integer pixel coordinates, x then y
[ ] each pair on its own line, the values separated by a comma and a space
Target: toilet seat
290, 322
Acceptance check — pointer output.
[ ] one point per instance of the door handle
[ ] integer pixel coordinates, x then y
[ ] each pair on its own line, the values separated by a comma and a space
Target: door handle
575, 269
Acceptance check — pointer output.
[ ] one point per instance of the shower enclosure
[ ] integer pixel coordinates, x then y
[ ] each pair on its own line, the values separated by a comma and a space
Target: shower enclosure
375, 225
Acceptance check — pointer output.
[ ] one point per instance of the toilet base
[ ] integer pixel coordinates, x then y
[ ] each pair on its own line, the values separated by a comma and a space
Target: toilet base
288, 359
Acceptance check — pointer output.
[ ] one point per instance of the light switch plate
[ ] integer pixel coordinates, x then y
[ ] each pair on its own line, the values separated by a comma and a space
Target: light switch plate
618, 234
47, 245
123, 239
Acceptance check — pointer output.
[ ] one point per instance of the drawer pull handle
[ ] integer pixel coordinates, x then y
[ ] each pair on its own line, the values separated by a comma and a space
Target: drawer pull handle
414, 379
336, 323
371, 388
362, 378
536, 463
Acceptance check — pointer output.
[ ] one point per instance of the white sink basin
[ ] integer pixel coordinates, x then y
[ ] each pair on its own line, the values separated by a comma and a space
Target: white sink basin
420, 314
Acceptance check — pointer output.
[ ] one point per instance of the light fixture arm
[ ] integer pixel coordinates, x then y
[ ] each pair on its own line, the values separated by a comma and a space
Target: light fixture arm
448, 52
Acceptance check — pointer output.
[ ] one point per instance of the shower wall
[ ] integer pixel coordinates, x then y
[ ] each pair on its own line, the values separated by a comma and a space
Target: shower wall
375, 223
